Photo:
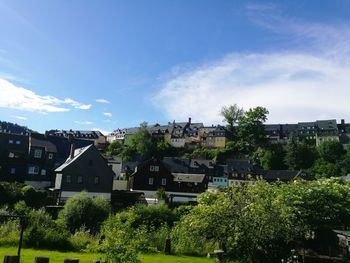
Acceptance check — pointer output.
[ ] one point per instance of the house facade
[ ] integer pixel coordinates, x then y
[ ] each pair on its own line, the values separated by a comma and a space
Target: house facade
84, 170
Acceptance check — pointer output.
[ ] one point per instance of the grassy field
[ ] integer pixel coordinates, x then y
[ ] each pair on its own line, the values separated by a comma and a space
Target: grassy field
28, 255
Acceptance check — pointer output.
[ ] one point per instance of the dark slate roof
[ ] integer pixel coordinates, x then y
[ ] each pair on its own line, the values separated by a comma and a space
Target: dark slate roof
177, 165
79, 134
243, 167
63, 146
286, 175
77, 153
39, 140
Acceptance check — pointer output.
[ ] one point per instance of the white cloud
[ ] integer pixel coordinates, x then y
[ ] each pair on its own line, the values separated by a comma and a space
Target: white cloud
102, 101
20, 118
296, 85
14, 97
83, 122
108, 114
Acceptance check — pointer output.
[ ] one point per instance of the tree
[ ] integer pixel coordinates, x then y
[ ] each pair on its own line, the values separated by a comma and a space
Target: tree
299, 155
141, 146
251, 130
231, 114
273, 158
331, 151
115, 148
82, 210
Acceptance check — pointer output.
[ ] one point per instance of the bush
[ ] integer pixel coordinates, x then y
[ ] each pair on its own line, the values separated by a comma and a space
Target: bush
9, 233
83, 240
81, 210
44, 232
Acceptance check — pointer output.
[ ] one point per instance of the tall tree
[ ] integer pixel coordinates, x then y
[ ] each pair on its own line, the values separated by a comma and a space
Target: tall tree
141, 146
299, 155
231, 114
331, 151
251, 130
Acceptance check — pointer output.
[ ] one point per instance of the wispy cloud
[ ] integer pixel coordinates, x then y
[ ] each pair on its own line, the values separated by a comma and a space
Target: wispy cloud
295, 85
19, 98
102, 101
83, 122
20, 118
108, 114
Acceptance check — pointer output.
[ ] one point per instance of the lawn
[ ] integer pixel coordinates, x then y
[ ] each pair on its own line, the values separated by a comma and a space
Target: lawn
28, 255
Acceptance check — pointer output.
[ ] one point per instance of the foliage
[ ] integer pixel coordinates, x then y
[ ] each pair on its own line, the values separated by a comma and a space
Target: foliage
251, 131
115, 148
331, 151
83, 240
82, 210
34, 198
259, 223
141, 146
299, 155
139, 228
10, 193
231, 114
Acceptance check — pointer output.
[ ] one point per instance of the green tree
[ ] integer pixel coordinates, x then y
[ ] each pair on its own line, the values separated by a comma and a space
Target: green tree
115, 148
82, 210
273, 158
141, 146
231, 114
331, 151
251, 130
299, 155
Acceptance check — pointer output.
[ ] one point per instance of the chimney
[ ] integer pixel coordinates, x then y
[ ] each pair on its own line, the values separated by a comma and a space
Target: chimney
189, 120
342, 121
72, 149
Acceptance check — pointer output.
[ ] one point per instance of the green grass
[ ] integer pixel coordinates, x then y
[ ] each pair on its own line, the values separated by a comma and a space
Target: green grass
28, 255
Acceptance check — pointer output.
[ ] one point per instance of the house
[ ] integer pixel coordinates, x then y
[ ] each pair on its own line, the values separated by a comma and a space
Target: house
242, 172
41, 161
84, 170
13, 157
154, 175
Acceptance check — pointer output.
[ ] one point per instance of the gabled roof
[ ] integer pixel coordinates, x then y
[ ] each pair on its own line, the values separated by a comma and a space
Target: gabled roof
77, 153
188, 178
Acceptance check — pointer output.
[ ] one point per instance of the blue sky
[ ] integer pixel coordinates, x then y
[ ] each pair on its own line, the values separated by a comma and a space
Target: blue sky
109, 64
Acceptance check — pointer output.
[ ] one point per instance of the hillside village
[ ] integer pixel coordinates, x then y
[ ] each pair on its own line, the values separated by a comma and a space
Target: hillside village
68, 162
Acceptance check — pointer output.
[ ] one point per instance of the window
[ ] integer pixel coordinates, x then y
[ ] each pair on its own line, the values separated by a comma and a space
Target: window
96, 180
18, 142
43, 172
37, 153
50, 156
163, 181
33, 170
10, 141
11, 155
79, 179
154, 168
13, 170
68, 179
150, 181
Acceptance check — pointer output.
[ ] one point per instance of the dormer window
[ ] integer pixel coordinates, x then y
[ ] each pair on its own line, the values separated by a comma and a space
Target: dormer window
50, 156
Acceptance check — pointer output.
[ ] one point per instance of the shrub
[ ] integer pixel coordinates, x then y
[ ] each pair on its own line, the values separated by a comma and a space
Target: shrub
9, 233
83, 240
81, 210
